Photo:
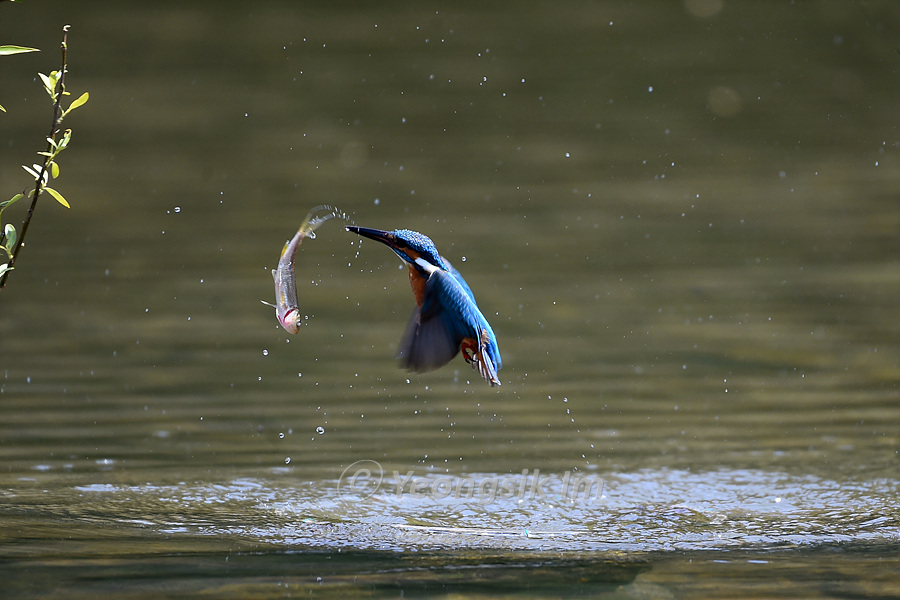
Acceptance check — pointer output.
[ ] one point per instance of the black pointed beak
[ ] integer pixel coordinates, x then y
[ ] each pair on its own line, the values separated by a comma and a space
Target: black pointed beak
378, 235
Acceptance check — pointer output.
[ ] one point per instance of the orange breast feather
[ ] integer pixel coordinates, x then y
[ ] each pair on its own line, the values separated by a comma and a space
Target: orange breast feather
417, 281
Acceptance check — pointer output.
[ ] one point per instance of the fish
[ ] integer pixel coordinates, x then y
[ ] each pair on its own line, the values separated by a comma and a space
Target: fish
287, 309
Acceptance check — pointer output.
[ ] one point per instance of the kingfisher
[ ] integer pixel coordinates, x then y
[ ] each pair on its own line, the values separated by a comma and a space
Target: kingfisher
447, 319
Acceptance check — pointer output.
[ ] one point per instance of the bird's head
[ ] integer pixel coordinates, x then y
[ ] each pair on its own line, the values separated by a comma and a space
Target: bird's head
413, 248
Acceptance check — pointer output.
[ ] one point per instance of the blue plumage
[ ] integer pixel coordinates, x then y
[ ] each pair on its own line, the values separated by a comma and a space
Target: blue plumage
447, 319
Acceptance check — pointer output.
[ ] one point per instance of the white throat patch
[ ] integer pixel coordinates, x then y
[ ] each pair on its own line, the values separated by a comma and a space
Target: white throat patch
427, 266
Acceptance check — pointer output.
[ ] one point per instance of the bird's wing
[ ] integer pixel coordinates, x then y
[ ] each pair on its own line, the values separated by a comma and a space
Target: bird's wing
435, 330
459, 279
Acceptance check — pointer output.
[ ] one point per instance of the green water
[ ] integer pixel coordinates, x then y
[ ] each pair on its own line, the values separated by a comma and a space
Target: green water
682, 228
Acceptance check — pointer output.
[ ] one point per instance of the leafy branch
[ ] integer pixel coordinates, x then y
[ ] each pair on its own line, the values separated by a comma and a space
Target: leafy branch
12, 241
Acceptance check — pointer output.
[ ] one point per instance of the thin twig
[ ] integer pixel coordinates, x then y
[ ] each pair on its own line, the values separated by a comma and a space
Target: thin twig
39, 182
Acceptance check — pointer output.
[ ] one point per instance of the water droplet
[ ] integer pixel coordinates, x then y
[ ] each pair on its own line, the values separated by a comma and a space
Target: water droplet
287, 460
265, 352
281, 436
177, 209
320, 430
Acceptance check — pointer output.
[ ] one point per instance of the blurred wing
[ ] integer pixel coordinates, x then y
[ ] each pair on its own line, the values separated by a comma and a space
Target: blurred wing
435, 330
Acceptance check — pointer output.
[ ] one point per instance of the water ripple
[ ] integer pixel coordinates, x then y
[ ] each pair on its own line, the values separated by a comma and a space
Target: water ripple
644, 511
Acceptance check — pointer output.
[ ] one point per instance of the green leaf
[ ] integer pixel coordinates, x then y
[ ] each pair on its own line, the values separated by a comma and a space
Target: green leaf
35, 170
77, 102
2, 109
5, 50
48, 85
12, 200
31, 172
57, 195
54, 169
4, 268
11, 237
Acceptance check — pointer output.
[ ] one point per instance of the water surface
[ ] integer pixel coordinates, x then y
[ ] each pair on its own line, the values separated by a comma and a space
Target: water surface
682, 228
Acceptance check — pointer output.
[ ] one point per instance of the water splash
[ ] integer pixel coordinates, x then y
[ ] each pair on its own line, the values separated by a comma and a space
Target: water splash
314, 219
643, 511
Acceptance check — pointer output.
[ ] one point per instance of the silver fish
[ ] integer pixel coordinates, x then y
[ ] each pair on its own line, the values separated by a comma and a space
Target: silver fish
287, 309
